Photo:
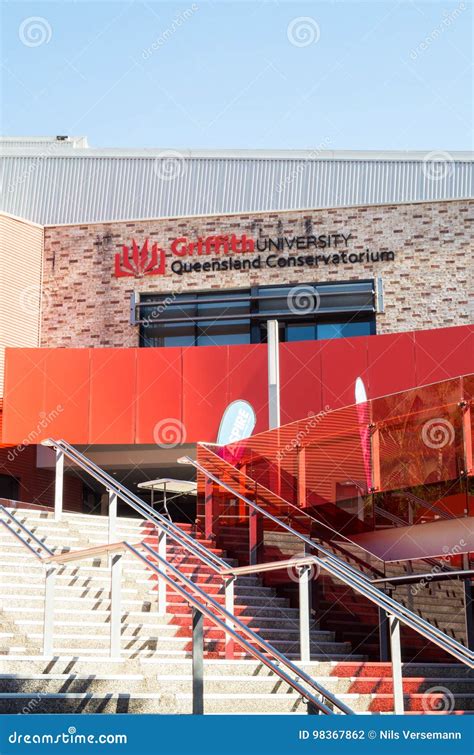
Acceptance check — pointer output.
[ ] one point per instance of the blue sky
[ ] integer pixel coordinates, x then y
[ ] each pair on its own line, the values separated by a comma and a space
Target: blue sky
333, 75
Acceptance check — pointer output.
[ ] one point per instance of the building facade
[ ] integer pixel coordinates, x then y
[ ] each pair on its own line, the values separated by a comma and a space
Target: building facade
121, 262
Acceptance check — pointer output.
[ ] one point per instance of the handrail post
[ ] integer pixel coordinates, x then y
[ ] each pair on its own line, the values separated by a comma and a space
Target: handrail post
305, 641
375, 456
255, 536
198, 662
113, 500
115, 604
48, 620
59, 484
395, 647
229, 607
211, 514
468, 606
162, 582
384, 654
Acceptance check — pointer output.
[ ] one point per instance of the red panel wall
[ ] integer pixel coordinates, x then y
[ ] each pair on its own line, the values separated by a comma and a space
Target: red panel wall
246, 371
391, 364
111, 396
66, 390
159, 391
298, 362
37, 485
343, 361
443, 353
112, 407
205, 394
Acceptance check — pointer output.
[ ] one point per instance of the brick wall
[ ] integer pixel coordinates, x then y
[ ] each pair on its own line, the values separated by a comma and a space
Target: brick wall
425, 285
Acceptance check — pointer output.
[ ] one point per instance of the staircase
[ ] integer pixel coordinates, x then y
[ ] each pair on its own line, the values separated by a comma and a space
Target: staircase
153, 674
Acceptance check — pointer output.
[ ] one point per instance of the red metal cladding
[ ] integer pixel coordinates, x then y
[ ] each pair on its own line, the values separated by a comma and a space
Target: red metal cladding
120, 395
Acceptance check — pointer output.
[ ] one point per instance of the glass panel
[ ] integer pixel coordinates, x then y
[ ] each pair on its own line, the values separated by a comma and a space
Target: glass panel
358, 328
223, 332
328, 330
303, 332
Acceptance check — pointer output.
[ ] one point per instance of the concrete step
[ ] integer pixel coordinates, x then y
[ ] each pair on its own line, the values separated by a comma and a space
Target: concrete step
169, 702
182, 683
47, 683
161, 641
157, 627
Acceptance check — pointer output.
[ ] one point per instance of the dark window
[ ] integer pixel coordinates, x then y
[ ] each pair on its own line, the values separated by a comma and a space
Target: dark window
305, 313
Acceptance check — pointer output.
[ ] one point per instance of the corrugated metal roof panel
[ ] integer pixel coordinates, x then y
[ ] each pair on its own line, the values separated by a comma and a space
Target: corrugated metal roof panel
99, 185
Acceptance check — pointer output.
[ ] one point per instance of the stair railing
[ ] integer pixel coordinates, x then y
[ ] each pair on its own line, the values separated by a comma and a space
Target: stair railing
317, 697
165, 528
397, 613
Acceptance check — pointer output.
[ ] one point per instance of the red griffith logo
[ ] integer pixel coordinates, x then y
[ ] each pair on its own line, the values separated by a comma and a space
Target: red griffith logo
137, 263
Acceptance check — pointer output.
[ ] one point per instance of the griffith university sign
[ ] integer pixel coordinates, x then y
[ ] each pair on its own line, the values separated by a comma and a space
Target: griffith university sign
242, 252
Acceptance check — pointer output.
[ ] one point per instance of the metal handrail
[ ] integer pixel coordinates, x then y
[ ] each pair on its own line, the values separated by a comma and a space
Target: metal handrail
412, 497
203, 607
459, 575
25, 529
354, 578
313, 520
279, 657
147, 512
